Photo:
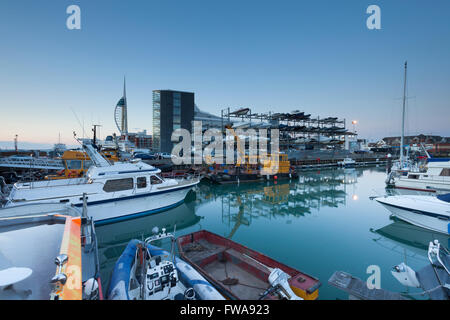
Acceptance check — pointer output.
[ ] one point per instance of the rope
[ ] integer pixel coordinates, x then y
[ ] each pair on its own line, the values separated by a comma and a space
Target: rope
424, 292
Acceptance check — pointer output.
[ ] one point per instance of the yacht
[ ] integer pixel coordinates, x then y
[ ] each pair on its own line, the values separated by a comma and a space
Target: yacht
429, 212
436, 178
115, 191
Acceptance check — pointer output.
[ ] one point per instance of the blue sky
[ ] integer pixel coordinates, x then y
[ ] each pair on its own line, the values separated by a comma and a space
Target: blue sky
316, 56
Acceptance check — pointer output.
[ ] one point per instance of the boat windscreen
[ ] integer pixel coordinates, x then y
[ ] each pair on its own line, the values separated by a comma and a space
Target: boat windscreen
444, 197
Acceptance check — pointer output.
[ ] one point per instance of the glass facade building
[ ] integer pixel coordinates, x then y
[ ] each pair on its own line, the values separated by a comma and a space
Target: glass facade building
171, 110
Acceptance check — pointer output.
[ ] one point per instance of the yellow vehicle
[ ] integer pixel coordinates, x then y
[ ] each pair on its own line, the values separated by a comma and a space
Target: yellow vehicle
76, 163
274, 166
271, 165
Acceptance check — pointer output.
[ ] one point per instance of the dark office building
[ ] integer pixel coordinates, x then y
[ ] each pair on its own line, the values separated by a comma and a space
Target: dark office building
171, 110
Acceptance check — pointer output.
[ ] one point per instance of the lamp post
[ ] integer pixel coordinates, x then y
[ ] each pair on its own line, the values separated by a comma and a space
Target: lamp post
354, 122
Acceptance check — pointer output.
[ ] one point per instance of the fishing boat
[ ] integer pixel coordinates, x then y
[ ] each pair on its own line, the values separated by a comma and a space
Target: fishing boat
241, 273
35, 237
436, 178
429, 212
115, 191
147, 272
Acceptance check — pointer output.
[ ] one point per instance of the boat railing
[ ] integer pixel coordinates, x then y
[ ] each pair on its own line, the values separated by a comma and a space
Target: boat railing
54, 183
33, 163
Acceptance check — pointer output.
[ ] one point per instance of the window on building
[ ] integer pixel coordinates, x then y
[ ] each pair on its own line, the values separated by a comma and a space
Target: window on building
141, 182
176, 110
118, 185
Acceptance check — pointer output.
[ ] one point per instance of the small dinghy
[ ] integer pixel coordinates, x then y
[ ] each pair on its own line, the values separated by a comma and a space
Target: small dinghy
244, 274
147, 272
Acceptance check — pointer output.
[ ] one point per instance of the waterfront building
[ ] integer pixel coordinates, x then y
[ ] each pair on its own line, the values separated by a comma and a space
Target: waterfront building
171, 110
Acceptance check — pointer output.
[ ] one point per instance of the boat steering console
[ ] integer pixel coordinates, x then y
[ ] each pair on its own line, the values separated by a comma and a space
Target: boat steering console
162, 280
161, 276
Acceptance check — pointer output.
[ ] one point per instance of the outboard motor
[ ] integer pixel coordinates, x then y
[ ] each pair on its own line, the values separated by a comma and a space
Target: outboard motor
90, 290
405, 275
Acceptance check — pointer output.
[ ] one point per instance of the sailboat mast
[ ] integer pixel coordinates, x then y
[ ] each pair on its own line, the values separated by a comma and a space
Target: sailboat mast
125, 111
403, 117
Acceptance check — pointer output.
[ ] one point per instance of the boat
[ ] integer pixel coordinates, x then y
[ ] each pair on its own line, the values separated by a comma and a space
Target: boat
429, 212
240, 112
436, 178
347, 162
116, 191
404, 164
239, 272
434, 278
35, 237
147, 272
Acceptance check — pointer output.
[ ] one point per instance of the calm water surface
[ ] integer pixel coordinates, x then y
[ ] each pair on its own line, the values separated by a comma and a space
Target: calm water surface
320, 223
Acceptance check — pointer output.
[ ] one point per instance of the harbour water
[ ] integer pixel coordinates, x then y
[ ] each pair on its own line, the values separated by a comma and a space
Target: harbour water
320, 223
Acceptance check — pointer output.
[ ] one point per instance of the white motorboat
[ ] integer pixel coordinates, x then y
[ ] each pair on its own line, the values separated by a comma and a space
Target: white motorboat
347, 162
428, 212
435, 179
114, 192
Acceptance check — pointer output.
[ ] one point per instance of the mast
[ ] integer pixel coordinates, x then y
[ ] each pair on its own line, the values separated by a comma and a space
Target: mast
403, 117
124, 111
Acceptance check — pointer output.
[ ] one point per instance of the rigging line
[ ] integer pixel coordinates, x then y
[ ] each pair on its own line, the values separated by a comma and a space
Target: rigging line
79, 122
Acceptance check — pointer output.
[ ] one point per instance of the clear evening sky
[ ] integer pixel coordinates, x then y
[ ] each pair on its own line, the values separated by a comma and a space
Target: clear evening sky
316, 56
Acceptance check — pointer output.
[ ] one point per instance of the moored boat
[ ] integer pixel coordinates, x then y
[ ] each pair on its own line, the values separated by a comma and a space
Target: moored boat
435, 179
434, 278
242, 273
147, 272
429, 212
347, 163
115, 192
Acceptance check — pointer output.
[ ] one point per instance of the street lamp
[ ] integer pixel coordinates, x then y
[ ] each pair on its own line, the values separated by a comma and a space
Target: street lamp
354, 122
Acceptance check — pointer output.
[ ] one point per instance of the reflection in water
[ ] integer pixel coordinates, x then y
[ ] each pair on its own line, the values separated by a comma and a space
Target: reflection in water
240, 204
408, 240
113, 238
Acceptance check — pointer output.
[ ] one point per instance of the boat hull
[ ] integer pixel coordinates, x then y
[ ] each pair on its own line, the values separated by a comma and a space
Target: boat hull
111, 211
248, 270
421, 218
109, 207
422, 185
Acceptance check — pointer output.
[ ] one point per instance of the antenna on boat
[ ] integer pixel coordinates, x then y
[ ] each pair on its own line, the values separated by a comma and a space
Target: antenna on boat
79, 122
403, 117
